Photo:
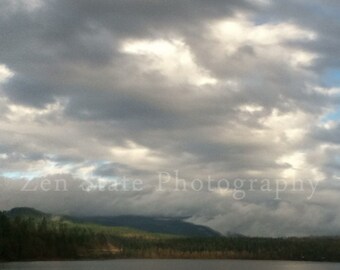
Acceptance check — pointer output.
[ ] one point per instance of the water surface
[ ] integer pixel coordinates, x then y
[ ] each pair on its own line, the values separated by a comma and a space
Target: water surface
171, 265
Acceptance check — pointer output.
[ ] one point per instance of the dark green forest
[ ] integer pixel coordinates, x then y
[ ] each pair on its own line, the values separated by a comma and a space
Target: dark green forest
52, 238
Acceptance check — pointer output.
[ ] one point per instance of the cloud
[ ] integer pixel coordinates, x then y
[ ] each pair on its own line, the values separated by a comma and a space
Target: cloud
227, 89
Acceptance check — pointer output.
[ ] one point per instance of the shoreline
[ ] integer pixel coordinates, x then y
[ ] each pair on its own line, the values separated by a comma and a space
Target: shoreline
163, 259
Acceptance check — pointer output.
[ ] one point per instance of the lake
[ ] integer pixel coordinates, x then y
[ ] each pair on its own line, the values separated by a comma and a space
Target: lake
170, 265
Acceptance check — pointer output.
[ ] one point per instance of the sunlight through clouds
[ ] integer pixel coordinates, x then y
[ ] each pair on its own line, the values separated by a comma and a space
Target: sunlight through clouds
267, 40
5, 73
99, 90
172, 58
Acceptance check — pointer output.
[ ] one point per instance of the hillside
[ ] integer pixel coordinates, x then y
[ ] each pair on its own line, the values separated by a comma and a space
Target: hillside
26, 212
162, 225
173, 226
27, 234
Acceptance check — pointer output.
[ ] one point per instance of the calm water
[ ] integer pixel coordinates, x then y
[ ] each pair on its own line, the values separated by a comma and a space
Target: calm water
171, 265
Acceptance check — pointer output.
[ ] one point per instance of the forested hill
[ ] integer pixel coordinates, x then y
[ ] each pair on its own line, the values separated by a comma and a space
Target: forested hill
164, 225
26, 212
174, 226
27, 234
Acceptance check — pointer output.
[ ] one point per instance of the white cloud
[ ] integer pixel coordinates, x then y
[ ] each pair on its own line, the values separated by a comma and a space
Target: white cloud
21, 113
287, 127
5, 73
170, 57
269, 40
250, 108
137, 156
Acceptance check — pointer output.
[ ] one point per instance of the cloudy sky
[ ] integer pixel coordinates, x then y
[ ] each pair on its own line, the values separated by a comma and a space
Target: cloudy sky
100, 91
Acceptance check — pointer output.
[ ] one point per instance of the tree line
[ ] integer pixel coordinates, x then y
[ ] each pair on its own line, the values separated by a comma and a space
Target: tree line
29, 238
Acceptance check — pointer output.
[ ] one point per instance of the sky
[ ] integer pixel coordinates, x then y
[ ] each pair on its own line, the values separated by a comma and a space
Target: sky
240, 94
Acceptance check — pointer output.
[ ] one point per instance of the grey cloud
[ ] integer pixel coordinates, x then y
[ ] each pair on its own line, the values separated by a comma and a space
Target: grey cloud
253, 216
331, 135
69, 52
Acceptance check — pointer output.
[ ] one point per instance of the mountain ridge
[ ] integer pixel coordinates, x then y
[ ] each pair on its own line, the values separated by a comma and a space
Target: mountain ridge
153, 224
